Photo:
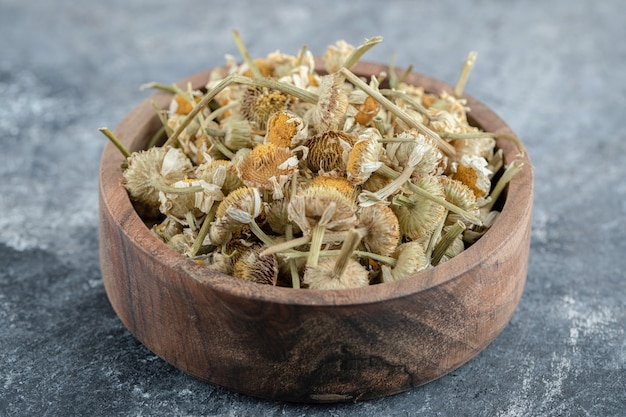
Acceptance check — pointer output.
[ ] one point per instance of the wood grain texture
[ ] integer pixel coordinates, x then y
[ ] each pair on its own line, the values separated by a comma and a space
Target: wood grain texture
306, 345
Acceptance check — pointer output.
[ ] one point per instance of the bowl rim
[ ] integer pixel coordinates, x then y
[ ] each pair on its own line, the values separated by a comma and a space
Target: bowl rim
518, 201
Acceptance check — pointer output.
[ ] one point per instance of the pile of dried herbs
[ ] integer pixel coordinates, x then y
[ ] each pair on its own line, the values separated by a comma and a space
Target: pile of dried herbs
278, 174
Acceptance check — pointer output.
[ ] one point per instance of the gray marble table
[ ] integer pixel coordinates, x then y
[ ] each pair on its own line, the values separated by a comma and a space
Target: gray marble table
554, 70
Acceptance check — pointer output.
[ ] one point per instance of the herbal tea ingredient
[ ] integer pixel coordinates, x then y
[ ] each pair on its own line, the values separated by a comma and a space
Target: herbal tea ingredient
278, 174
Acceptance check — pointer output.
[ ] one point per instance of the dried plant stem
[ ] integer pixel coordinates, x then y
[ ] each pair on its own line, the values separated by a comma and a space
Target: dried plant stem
334, 252
204, 229
293, 269
465, 72
292, 90
258, 232
220, 146
435, 237
398, 112
360, 50
317, 237
115, 141
380, 125
241, 47
390, 173
409, 100
347, 251
198, 107
508, 174
159, 86
440, 249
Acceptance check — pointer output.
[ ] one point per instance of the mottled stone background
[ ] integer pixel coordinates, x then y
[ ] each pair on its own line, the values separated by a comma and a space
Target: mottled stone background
555, 70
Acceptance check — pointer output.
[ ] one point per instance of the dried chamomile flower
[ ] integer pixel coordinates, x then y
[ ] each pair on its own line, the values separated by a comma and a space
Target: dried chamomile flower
268, 167
339, 272
168, 228
363, 158
473, 172
460, 195
237, 133
323, 205
329, 150
324, 277
219, 171
251, 266
178, 203
410, 259
430, 157
336, 55
277, 216
260, 103
332, 103
419, 216
151, 171
286, 129
182, 241
318, 208
175, 165
236, 210
143, 172
383, 229
339, 182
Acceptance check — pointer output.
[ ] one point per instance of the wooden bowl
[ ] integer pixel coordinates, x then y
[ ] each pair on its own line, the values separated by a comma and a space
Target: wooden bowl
310, 345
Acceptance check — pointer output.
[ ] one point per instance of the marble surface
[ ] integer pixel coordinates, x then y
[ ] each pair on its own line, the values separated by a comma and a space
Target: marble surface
554, 70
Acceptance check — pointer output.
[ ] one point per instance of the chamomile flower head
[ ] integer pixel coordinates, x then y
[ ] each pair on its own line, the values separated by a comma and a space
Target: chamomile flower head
254, 267
336, 55
322, 205
399, 153
324, 276
332, 103
419, 216
363, 158
268, 167
410, 259
286, 129
235, 211
335, 181
474, 173
383, 229
329, 150
260, 103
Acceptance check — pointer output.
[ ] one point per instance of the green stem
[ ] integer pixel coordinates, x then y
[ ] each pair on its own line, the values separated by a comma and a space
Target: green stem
508, 174
293, 269
467, 68
317, 236
347, 250
360, 50
440, 249
263, 237
206, 224
246, 56
118, 144
408, 99
158, 86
